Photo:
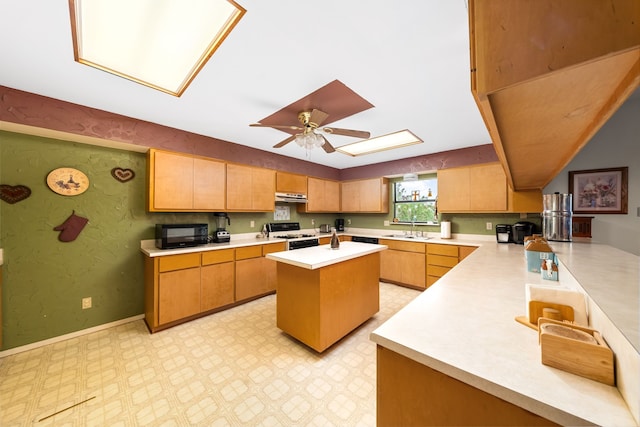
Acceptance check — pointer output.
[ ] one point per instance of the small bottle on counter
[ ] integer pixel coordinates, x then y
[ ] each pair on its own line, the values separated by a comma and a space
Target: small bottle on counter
335, 242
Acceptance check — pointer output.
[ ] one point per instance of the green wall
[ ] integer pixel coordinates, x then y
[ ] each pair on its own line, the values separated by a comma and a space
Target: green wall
44, 280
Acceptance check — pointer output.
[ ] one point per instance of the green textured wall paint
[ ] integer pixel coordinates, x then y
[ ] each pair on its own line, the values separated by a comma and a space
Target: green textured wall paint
44, 280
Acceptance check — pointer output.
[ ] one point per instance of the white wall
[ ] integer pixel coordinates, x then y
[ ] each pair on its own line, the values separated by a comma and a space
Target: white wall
616, 144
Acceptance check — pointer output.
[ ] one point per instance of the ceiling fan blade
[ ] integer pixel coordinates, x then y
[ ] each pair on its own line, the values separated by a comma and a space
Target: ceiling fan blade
288, 127
317, 116
327, 146
348, 132
284, 142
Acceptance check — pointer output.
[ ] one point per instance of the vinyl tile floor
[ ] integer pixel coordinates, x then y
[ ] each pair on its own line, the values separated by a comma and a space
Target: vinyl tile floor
232, 368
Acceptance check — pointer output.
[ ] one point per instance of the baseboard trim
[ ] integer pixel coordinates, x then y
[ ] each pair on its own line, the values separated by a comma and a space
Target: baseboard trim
65, 337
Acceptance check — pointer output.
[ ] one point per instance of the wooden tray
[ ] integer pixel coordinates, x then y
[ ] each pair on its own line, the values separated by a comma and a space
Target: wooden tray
576, 349
537, 310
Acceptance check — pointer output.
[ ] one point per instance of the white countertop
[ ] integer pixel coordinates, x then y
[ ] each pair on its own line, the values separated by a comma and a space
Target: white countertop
148, 247
321, 256
464, 327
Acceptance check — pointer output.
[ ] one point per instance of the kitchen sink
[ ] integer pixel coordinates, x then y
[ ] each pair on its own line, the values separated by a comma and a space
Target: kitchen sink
406, 236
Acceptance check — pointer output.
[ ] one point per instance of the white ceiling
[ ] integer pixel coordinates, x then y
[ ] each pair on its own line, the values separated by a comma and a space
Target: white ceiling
409, 58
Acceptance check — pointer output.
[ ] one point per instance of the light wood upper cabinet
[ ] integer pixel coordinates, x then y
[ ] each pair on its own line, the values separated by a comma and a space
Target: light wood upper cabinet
323, 196
365, 195
291, 183
482, 188
250, 188
477, 188
181, 182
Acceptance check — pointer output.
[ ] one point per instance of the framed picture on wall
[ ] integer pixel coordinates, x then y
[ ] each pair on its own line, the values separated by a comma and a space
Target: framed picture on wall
599, 191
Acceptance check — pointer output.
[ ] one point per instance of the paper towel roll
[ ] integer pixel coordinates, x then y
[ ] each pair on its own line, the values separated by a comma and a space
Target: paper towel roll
445, 229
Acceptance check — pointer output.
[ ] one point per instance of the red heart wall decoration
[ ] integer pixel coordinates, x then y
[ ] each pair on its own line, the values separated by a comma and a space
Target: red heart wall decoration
123, 175
14, 193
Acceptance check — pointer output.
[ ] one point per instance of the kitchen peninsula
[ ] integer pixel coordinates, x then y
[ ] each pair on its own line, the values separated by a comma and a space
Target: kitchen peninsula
324, 294
456, 356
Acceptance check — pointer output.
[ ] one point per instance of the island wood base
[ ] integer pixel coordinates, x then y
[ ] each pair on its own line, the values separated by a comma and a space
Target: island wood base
319, 307
412, 394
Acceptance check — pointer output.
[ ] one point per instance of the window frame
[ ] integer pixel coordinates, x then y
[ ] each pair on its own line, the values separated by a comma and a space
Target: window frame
432, 185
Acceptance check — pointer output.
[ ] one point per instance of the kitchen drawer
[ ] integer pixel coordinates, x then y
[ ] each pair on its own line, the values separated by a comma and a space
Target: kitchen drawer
441, 260
447, 250
437, 271
247, 252
273, 247
431, 280
400, 245
178, 262
217, 257
465, 251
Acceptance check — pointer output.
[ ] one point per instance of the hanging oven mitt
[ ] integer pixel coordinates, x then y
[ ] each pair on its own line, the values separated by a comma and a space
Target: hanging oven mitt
71, 228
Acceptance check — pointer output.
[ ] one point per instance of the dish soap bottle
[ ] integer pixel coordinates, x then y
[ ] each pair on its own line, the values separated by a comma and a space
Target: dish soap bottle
335, 242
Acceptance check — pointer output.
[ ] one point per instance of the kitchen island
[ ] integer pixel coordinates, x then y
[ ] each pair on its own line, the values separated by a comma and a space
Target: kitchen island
323, 294
456, 356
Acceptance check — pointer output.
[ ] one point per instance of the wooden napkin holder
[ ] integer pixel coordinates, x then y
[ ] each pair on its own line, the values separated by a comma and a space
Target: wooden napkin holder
576, 349
538, 309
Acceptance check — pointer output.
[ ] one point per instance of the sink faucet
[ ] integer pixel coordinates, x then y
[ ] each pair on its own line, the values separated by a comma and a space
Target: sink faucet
413, 224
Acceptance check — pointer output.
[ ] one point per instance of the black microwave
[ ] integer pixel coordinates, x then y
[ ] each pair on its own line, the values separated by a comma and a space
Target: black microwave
171, 236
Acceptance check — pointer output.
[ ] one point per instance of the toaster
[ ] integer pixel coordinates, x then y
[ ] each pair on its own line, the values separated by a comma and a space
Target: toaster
325, 228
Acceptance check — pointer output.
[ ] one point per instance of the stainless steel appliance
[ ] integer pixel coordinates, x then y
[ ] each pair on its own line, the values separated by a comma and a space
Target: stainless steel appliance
361, 239
291, 197
325, 228
556, 217
221, 234
286, 230
171, 236
504, 233
522, 229
339, 224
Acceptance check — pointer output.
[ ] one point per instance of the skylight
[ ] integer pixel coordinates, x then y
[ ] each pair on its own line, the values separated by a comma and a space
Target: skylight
380, 143
158, 43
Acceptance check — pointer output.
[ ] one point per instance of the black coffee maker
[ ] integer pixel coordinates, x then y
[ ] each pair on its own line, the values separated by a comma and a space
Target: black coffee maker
339, 224
221, 235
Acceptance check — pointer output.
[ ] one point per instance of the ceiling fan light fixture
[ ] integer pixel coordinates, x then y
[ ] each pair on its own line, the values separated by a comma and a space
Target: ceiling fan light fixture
309, 140
391, 141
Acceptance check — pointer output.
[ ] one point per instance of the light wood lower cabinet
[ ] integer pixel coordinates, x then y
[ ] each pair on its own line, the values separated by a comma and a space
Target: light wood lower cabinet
412, 394
403, 263
442, 258
255, 274
217, 279
182, 287
178, 287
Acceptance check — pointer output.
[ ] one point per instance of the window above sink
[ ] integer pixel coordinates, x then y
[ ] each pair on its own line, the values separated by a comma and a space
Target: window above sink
415, 202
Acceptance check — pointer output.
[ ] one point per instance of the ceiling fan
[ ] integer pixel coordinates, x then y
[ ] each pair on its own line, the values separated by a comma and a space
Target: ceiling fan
310, 121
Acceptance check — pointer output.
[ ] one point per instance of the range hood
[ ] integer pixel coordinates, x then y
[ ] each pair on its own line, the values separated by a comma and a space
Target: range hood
291, 197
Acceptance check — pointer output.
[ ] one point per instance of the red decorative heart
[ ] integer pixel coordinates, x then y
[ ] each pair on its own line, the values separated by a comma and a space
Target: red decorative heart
14, 193
123, 175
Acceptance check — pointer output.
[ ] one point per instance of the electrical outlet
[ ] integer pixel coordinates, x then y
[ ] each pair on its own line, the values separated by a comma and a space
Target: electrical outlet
386, 223
349, 221
86, 303
489, 226
252, 224
313, 222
